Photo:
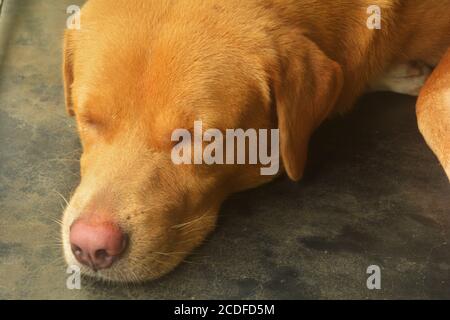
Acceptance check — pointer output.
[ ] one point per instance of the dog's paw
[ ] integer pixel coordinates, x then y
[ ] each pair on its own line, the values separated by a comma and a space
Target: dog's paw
406, 78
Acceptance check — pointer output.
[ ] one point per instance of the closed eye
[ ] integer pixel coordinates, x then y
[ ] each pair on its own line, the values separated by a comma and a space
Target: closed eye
90, 120
89, 124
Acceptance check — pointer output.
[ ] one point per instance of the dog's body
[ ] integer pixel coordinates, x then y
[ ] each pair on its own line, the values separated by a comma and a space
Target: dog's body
138, 69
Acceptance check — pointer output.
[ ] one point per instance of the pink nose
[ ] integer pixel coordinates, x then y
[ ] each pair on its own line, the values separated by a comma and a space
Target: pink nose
97, 245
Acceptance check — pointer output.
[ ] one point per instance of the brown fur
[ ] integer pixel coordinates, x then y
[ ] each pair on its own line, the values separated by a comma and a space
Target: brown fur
139, 69
433, 112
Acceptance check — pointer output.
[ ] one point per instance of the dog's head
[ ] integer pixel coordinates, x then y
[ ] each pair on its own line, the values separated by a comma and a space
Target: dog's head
138, 70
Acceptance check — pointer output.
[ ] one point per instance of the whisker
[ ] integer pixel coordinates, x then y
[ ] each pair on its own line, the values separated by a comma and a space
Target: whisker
186, 224
65, 200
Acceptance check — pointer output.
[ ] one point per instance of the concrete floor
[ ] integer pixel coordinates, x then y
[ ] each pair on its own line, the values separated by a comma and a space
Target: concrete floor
373, 194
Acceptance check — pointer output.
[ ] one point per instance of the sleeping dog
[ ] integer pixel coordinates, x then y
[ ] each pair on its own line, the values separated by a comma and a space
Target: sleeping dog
137, 70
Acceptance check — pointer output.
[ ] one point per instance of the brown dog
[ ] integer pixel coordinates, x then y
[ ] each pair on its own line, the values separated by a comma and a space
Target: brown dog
138, 69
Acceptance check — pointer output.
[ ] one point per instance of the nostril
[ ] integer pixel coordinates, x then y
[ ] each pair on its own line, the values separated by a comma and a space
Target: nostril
101, 254
76, 250
80, 255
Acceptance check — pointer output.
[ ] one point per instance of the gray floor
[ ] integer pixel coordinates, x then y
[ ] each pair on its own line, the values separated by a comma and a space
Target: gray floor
373, 194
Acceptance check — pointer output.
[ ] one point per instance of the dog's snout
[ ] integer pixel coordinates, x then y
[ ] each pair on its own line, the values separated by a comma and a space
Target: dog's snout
97, 245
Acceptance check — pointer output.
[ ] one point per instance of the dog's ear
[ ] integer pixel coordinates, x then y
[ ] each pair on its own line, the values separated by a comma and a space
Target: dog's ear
68, 71
305, 86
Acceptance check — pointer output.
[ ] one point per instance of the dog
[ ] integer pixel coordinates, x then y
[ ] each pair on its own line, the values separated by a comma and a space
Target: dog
137, 70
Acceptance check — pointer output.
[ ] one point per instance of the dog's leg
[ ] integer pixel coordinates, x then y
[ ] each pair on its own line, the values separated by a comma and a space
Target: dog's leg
433, 112
407, 78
